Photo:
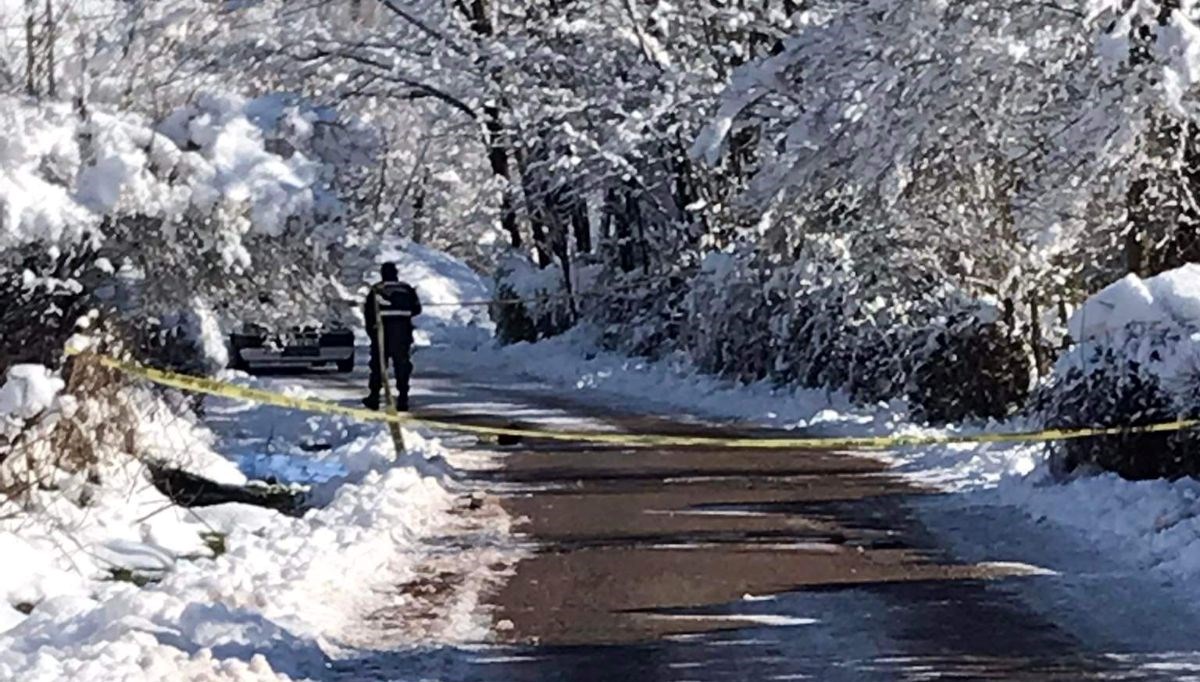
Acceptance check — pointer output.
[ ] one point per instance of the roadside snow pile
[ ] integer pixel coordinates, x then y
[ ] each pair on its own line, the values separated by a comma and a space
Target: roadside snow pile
75, 517
311, 576
236, 592
270, 603
443, 283
575, 360
1155, 524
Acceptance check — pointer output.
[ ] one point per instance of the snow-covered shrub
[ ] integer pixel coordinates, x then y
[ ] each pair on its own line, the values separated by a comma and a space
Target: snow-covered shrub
643, 318
968, 368
38, 313
48, 435
529, 301
230, 197
511, 317
1136, 360
823, 321
1116, 391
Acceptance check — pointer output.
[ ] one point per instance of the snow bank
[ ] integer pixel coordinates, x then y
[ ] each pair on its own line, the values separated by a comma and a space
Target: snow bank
272, 605
575, 360
273, 601
81, 524
296, 572
443, 282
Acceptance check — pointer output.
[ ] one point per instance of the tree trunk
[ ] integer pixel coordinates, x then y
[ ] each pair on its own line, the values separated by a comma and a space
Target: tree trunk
51, 87
561, 248
498, 159
479, 14
81, 96
1134, 254
622, 232
634, 210
581, 226
536, 210
1035, 336
418, 214
30, 50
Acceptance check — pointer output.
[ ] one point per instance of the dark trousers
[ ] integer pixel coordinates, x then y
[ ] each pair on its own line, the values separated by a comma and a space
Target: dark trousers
399, 358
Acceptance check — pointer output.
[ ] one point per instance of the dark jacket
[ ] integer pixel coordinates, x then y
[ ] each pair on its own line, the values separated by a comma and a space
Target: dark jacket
397, 305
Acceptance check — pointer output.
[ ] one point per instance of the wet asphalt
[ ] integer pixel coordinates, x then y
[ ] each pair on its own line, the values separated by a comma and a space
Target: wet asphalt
705, 564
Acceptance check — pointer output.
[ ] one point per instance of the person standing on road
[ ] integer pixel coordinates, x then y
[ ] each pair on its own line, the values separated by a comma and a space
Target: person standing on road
393, 304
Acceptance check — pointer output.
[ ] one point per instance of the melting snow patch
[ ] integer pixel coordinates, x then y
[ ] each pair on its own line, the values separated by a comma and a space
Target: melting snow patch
753, 598
499, 660
704, 512
1011, 568
739, 642
771, 620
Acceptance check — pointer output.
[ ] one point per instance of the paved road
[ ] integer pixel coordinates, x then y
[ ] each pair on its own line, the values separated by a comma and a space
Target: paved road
710, 564
679, 564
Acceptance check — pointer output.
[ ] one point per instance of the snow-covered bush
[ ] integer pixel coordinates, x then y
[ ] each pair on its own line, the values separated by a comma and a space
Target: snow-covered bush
1135, 360
38, 313
1115, 391
529, 302
969, 367
85, 423
827, 320
48, 436
229, 199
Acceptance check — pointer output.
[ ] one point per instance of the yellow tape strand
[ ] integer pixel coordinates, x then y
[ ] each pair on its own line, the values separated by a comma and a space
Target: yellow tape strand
214, 387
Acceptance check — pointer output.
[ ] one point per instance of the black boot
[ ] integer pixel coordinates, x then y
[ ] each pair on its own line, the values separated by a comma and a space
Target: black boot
371, 402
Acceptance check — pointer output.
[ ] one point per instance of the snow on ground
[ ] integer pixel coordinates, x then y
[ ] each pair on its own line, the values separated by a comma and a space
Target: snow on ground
575, 361
443, 283
278, 600
285, 594
239, 592
1153, 527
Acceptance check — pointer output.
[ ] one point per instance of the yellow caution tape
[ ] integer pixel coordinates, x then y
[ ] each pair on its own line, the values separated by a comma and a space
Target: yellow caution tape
225, 389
